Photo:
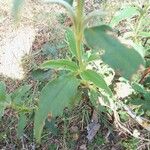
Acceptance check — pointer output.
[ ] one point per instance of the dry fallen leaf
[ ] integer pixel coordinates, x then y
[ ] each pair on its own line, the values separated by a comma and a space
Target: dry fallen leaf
83, 147
93, 127
92, 130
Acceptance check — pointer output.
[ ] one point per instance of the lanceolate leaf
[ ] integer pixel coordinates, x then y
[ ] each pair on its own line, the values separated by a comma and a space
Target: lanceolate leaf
60, 64
96, 79
22, 121
125, 13
2, 91
124, 60
55, 96
4, 98
2, 109
71, 40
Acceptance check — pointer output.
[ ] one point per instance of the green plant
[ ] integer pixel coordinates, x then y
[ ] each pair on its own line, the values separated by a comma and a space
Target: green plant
4, 98
63, 91
20, 101
141, 99
131, 144
134, 19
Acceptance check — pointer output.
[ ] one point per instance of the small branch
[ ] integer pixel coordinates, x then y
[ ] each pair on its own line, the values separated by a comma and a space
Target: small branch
140, 120
118, 122
146, 72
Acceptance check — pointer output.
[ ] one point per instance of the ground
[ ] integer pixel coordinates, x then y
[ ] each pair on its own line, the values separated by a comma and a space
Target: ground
40, 35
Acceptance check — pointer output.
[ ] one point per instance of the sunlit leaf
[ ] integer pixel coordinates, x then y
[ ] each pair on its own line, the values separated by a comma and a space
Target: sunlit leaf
93, 57
60, 64
96, 79
71, 42
55, 96
125, 13
126, 61
144, 34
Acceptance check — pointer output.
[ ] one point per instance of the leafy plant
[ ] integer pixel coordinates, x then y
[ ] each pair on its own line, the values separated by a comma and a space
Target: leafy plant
134, 18
142, 98
4, 99
131, 144
62, 91
19, 101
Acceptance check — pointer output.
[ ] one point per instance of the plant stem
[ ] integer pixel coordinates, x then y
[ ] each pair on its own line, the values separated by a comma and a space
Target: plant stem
79, 31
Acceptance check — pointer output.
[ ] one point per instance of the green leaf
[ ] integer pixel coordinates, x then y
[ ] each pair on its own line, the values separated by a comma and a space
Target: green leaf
71, 41
138, 88
144, 34
49, 49
147, 95
93, 57
18, 94
94, 98
139, 48
17, 4
124, 60
125, 13
145, 104
2, 109
60, 64
21, 124
2, 91
69, 1
3, 104
93, 95
55, 96
96, 79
